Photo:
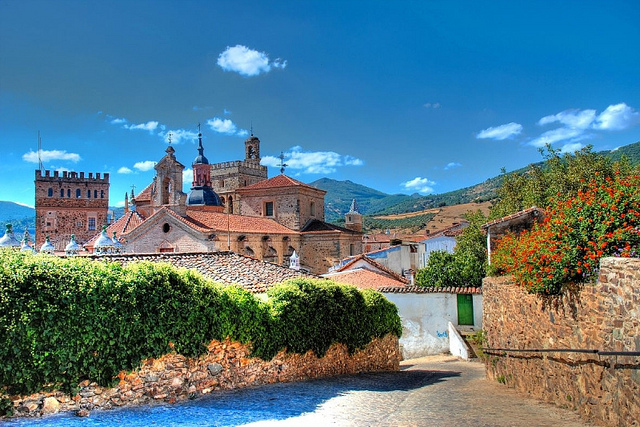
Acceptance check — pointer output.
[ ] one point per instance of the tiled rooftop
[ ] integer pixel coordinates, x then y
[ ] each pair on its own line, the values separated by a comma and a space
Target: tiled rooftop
237, 223
375, 266
365, 279
226, 268
429, 290
533, 209
278, 181
315, 225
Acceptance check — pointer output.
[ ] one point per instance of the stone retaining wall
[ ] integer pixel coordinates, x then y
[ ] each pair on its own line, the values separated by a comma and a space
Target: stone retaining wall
227, 365
603, 316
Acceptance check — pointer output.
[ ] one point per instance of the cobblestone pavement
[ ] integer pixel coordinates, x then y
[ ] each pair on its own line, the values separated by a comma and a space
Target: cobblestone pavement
439, 391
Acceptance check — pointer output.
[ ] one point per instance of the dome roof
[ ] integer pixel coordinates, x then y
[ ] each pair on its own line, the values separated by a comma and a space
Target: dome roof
47, 247
104, 244
203, 196
73, 247
9, 240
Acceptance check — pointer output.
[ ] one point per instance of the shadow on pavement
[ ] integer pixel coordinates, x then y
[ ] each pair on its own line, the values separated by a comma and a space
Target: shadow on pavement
268, 402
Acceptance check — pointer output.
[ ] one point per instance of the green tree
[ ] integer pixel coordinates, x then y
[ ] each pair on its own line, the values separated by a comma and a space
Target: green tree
560, 175
466, 266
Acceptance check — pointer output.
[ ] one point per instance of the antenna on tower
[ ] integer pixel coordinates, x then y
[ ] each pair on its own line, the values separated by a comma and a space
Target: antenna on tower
40, 167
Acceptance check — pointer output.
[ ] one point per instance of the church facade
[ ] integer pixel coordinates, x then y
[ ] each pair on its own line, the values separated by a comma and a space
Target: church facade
233, 206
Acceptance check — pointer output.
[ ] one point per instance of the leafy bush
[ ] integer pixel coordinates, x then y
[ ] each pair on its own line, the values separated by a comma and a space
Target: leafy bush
601, 220
466, 266
313, 314
66, 320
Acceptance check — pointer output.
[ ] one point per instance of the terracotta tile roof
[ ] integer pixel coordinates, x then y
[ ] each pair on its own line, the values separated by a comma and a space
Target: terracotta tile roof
145, 195
315, 225
364, 278
279, 181
237, 223
429, 290
226, 268
375, 265
126, 223
533, 209
452, 231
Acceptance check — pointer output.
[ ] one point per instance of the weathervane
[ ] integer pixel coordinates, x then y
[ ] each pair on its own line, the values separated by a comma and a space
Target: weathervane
170, 135
133, 187
199, 128
282, 163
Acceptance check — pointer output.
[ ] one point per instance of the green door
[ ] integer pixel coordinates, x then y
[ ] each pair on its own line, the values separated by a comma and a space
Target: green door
465, 309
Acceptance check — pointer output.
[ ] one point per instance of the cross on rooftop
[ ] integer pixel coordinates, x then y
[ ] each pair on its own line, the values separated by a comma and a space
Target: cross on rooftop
282, 163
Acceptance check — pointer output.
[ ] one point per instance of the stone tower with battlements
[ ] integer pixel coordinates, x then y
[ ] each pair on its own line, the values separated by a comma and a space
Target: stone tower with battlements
70, 203
227, 177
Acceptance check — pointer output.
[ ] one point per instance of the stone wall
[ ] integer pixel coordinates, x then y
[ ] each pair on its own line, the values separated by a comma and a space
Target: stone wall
227, 365
604, 316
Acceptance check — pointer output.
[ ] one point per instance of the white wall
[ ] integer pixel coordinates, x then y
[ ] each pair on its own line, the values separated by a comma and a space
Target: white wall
425, 319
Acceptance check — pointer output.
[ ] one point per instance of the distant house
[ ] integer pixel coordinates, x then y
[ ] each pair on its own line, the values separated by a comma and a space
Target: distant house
404, 258
514, 223
444, 240
425, 313
365, 273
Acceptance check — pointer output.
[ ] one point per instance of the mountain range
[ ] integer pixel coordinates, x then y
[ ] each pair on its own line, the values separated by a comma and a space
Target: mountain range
370, 201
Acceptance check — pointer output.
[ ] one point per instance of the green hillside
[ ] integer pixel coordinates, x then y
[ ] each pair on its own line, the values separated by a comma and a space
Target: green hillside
19, 216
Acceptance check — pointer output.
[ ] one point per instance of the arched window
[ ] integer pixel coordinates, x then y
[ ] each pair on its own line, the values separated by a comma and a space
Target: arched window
88, 194
78, 193
50, 192
102, 194
313, 209
95, 194
68, 193
62, 192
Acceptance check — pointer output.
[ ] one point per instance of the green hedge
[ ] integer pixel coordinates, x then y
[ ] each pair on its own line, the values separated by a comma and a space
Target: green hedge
66, 320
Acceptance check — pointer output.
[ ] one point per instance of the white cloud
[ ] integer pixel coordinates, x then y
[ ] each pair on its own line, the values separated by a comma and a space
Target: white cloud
617, 117
147, 165
419, 185
555, 135
119, 204
317, 162
501, 132
434, 105
150, 126
247, 62
574, 119
571, 147
187, 177
452, 165
49, 155
225, 126
178, 136
124, 170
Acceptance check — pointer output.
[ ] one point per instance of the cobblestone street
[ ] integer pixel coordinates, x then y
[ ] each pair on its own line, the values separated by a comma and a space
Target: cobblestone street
438, 391
433, 391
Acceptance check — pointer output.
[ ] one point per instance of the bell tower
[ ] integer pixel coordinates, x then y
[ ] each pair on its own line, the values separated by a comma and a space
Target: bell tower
252, 149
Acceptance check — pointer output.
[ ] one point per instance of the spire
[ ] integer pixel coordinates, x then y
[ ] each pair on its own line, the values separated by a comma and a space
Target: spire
354, 207
201, 159
126, 202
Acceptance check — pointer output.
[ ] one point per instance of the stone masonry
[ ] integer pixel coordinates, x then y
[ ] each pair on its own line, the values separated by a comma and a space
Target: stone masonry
603, 316
70, 203
227, 365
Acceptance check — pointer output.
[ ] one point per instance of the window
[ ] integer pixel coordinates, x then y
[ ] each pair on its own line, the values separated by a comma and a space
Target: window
68, 193
88, 194
62, 192
313, 209
166, 227
95, 194
78, 193
79, 224
50, 192
102, 194
351, 249
268, 209
91, 222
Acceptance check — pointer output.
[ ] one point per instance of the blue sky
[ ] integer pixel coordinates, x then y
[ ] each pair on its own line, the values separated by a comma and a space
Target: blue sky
404, 97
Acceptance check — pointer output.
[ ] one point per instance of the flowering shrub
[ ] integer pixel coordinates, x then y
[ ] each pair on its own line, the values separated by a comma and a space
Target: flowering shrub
601, 220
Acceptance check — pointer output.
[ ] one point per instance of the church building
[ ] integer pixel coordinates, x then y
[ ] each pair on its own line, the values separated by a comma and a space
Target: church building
233, 206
